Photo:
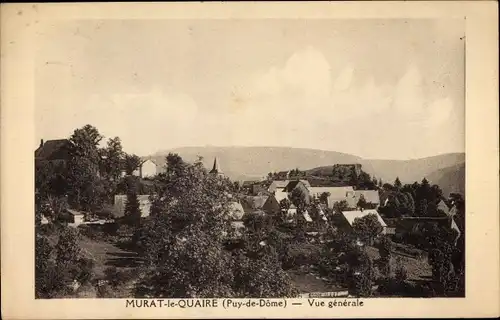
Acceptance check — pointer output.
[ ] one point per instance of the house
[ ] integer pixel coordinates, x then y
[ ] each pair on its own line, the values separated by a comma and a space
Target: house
297, 184
121, 200
76, 217
148, 168
277, 184
53, 151
253, 203
271, 206
350, 216
337, 194
371, 197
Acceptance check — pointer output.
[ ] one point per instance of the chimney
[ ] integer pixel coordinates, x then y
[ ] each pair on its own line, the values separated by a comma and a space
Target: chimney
41, 142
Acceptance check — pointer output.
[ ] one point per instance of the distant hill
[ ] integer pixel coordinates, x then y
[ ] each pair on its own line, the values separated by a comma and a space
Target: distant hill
449, 179
253, 163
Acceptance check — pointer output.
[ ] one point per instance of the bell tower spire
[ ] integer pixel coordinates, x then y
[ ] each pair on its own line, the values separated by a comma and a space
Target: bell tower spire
216, 168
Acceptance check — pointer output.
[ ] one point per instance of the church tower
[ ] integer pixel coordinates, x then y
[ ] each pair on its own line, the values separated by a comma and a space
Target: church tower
216, 169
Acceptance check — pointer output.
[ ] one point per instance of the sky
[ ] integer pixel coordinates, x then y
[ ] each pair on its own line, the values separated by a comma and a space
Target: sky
379, 89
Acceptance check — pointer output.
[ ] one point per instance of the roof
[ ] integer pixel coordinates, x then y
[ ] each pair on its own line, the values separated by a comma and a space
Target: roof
352, 215
236, 210
53, 149
371, 196
74, 212
443, 206
336, 193
216, 167
293, 184
279, 183
251, 203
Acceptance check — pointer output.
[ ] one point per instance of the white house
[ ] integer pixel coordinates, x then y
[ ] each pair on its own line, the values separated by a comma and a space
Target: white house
148, 168
350, 216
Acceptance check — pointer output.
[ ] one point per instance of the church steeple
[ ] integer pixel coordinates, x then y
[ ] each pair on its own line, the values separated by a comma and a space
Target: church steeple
216, 169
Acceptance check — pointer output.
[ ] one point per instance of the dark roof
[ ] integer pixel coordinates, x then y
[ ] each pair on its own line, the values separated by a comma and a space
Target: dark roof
291, 185
53, 150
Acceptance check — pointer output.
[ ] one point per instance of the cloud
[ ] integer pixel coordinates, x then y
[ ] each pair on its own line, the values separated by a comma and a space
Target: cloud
301, 103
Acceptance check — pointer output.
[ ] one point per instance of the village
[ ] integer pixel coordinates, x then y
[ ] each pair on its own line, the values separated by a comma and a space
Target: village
346, 234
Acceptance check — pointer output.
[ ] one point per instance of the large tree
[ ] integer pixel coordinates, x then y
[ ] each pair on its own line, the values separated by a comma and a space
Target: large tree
131, 163
113, 159
83, 167
367, 227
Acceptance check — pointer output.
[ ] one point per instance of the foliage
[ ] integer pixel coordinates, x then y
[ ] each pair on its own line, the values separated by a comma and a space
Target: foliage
323, 198
385, 252
361, 273
54, 276
132, 209
367, 227
83, 168
299, 199
340, 206
261, 276
113, 159
397, 183
362, 204
184, 241
257, 222
131, 163
401, 273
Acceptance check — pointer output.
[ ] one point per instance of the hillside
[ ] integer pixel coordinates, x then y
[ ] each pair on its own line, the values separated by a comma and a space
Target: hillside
252, 163
450, 179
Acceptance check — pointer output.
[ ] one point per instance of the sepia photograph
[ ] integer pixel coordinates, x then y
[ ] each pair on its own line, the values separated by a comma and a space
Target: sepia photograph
249, 160
177, 159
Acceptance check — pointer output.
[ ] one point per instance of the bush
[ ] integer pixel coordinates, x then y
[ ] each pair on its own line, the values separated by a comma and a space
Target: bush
301, 254
115, 277
104, 290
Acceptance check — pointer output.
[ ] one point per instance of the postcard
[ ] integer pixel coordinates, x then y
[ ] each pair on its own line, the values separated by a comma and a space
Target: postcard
243, 160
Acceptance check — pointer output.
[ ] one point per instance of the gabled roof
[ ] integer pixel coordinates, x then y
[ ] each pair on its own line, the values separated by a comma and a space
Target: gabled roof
293, 184
337, 194
252, 203
350, 216
279, 183
53, 150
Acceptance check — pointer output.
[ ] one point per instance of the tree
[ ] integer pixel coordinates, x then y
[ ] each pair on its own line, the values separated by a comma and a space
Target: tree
113, 158
361, 273
324, 197
83, 167
131, 163
184, 241
397, 183
362, 204
340, 206
385, 252
43, 286
367, 227
299, 199
132, 209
